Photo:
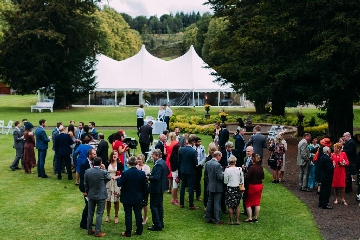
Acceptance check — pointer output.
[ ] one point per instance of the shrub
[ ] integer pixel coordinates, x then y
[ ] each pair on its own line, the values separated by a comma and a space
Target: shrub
317, 130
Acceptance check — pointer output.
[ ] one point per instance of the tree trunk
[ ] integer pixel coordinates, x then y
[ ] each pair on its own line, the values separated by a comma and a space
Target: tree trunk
278, 106
260, 106
340, 115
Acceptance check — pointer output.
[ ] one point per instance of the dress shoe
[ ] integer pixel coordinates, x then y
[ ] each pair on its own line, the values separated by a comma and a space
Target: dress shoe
152, 228
219, 223
17, 168
91, 232
210, 221
83, 226
181, 206
59, 177
100, 234
123, 234
327, 207
193, 208
45, 176
12, 168
70, 178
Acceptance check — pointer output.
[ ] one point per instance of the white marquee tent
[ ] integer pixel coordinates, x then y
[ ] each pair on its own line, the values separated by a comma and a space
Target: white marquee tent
144, 72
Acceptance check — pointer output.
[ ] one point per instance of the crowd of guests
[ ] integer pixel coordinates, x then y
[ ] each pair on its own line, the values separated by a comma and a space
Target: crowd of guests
327, 166
231, 173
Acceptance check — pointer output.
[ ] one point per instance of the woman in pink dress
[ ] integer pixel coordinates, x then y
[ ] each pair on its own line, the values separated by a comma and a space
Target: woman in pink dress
169, 146
340, 161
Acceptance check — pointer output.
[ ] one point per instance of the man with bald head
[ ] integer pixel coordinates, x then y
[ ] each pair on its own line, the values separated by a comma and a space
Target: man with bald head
161, 145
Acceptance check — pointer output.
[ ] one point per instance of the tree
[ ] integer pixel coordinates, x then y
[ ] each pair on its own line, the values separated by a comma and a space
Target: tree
51, 45
5, 5
119, 41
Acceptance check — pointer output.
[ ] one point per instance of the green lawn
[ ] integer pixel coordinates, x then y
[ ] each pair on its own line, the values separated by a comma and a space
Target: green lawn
35, 208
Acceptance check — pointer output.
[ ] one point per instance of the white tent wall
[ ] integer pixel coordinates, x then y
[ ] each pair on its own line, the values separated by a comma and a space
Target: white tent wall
144, 72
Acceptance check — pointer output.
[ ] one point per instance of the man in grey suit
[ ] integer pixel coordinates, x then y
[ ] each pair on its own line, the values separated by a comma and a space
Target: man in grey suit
214, 178
18, 145
95, 186
258, 142
303, 160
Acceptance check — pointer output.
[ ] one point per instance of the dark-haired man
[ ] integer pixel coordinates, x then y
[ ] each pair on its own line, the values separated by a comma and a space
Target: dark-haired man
18, 145
92, 130
42, 142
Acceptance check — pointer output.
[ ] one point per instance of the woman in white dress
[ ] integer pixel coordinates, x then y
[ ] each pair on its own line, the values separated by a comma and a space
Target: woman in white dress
115, 169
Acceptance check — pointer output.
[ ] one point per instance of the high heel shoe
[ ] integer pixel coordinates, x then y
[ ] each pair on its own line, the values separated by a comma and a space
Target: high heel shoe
336, 201
344, 202
107, 219
116, 220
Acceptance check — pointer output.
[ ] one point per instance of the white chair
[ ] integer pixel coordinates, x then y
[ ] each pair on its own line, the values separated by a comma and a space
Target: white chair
149, 153
2, 127
9, 127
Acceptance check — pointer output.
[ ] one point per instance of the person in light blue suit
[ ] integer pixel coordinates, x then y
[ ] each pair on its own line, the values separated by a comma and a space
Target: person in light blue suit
41, 145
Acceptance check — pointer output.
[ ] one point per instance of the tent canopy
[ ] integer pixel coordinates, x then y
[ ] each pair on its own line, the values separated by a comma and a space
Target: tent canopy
144, 72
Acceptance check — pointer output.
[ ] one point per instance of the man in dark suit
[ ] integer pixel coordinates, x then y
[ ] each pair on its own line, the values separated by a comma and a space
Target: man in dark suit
228, 152
133, 190
350, 150
92, 130
103, 150
54, 134
158, 185
223, 137
240, 141
187, 172
160, 145
63, 150
145, 138
215, 178
95, 186
326, 171
86, 165
18, 145
41, 145
258, 142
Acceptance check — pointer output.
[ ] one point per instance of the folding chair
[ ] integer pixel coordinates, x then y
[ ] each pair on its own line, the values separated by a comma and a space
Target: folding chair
2, 126
149, 153
9, 127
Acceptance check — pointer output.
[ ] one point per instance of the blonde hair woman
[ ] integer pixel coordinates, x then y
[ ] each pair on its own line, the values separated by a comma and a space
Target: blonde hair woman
340, 162
171, 142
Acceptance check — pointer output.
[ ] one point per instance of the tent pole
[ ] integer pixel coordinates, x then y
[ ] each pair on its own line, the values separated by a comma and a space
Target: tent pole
219, 98
193, 98
124, 98
198, 99
140, 96
89, 98
167, 96
115, 98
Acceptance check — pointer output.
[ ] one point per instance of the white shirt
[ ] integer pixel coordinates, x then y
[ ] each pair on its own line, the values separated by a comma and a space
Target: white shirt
233, 176
140, 113
168, 112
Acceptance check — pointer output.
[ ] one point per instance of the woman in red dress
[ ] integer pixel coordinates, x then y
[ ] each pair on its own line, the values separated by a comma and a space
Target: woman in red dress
169, 147
29, 153
254, 177
340, 161
119, 146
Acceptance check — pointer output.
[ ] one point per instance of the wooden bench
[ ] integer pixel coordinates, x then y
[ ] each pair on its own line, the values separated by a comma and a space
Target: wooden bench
43, 106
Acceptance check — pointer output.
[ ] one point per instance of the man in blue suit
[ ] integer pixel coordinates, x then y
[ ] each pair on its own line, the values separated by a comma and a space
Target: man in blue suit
62, 151
133, 190
158, 185
187, 162
258, 142
41, 145
95, 180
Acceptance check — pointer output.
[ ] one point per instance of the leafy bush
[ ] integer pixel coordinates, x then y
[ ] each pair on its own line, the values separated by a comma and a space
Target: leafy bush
317, 130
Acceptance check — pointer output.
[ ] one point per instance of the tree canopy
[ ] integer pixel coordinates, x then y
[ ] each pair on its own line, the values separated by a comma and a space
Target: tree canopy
284, 51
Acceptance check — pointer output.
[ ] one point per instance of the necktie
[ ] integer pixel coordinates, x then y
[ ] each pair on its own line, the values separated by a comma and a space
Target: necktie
229, 154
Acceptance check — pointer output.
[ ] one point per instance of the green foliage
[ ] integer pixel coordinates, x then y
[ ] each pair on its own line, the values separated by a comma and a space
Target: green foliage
317, 130
119, 41
5, 5
51, 45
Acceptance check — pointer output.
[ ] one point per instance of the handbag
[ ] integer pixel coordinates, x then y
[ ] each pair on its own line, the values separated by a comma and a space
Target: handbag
271, 162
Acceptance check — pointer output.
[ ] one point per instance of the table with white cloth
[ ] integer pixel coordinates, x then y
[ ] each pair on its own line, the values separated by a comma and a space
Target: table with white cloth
158, 126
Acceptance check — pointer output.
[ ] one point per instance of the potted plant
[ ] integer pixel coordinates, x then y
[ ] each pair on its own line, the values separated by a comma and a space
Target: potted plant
207, 109
223, 115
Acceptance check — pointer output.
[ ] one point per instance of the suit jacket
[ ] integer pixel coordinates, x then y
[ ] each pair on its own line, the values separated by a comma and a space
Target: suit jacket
94, 132
83, 167
145, 134
350, 150
41, 139
63, 144
18, 141
54, 134
160, 145
236, 153
187, 160
239, 142
258, 142
133, 186
158, 177
103, 151
95, 183
326, 168
223, 137
214, 176
303, 155
182, 141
